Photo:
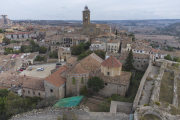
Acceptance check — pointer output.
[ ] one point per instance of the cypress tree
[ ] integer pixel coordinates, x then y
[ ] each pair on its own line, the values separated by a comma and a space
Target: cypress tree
129, 62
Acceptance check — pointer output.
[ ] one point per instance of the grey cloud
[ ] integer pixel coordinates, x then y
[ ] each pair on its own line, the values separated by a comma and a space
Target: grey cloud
100, 9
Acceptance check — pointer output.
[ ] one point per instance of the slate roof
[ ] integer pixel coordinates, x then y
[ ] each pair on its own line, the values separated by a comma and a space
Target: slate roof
55, 78
112, 62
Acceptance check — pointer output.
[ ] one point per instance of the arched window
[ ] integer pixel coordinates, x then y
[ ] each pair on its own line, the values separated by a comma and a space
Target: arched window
82, 82
74, 82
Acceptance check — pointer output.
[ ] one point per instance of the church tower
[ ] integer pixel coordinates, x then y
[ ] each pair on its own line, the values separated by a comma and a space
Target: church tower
86, 16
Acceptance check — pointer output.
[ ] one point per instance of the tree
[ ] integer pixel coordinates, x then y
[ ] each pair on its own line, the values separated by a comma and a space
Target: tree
84, 91
129, 61
168, 57
42, 49
133, 36
95, 83
84, 54
100, 53
6, 41
23, 48
4, 92
1, 31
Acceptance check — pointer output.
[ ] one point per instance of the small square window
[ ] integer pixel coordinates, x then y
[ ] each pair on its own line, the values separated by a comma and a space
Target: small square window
33, 93
105, 83
29, 92
108, 73
137, 65
51, 90
141, 65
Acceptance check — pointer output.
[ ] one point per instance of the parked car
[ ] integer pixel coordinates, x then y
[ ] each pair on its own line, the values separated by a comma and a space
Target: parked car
23, 68
30, 68
40, 69
20, 70
58, 64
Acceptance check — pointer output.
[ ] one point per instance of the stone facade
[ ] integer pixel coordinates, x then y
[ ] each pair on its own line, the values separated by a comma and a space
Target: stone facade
27, 92
75, 82
52, 90
107, 71
64, 54
112, 88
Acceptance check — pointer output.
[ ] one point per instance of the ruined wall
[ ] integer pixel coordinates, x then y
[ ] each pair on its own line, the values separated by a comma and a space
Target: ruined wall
140, 89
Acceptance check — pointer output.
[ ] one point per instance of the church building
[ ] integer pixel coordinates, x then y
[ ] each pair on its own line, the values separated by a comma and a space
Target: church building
92, 30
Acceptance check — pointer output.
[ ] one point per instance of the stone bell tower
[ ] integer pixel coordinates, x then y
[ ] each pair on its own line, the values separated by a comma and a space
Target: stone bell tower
86, 16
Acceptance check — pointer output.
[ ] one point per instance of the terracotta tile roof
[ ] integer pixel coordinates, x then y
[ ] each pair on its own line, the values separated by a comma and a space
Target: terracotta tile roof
8, 79
33, 83
112, 62
114, 41
72, 60
154, 50
90, 63
78, 70
122, 79
55, 78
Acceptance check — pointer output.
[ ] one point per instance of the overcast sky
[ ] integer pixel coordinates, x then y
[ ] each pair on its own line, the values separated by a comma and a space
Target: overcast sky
100, 9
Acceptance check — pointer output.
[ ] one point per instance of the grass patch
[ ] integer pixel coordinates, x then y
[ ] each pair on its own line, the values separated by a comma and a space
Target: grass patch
166, 90
149, 117
174, 67
174, 110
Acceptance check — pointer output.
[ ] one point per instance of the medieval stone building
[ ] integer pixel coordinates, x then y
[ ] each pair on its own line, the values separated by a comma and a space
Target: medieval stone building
116, 81
92, 30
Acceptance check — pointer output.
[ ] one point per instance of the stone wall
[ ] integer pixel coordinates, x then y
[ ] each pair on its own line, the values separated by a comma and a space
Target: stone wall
38, 62
140, 89
122, 107
81, 113
157, 84
75, 88
154, 111
58, 92
141, 64
26, 92
52, 60
111, 88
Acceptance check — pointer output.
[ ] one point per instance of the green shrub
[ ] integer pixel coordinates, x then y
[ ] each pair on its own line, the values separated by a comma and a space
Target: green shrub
148, 78
146, 104
157, 103
84, 91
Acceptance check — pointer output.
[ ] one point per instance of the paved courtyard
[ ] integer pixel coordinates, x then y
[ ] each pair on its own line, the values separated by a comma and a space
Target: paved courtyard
39, 74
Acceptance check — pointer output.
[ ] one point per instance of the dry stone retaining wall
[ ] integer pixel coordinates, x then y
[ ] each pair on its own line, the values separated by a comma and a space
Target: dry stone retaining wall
140, 89
157, 84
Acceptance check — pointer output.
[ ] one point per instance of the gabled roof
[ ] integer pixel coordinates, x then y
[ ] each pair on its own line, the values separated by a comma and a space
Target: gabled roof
55, 78
112, 62
90, 64
72, 60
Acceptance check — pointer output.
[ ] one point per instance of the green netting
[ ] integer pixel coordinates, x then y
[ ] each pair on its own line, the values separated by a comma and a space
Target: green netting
69, 102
